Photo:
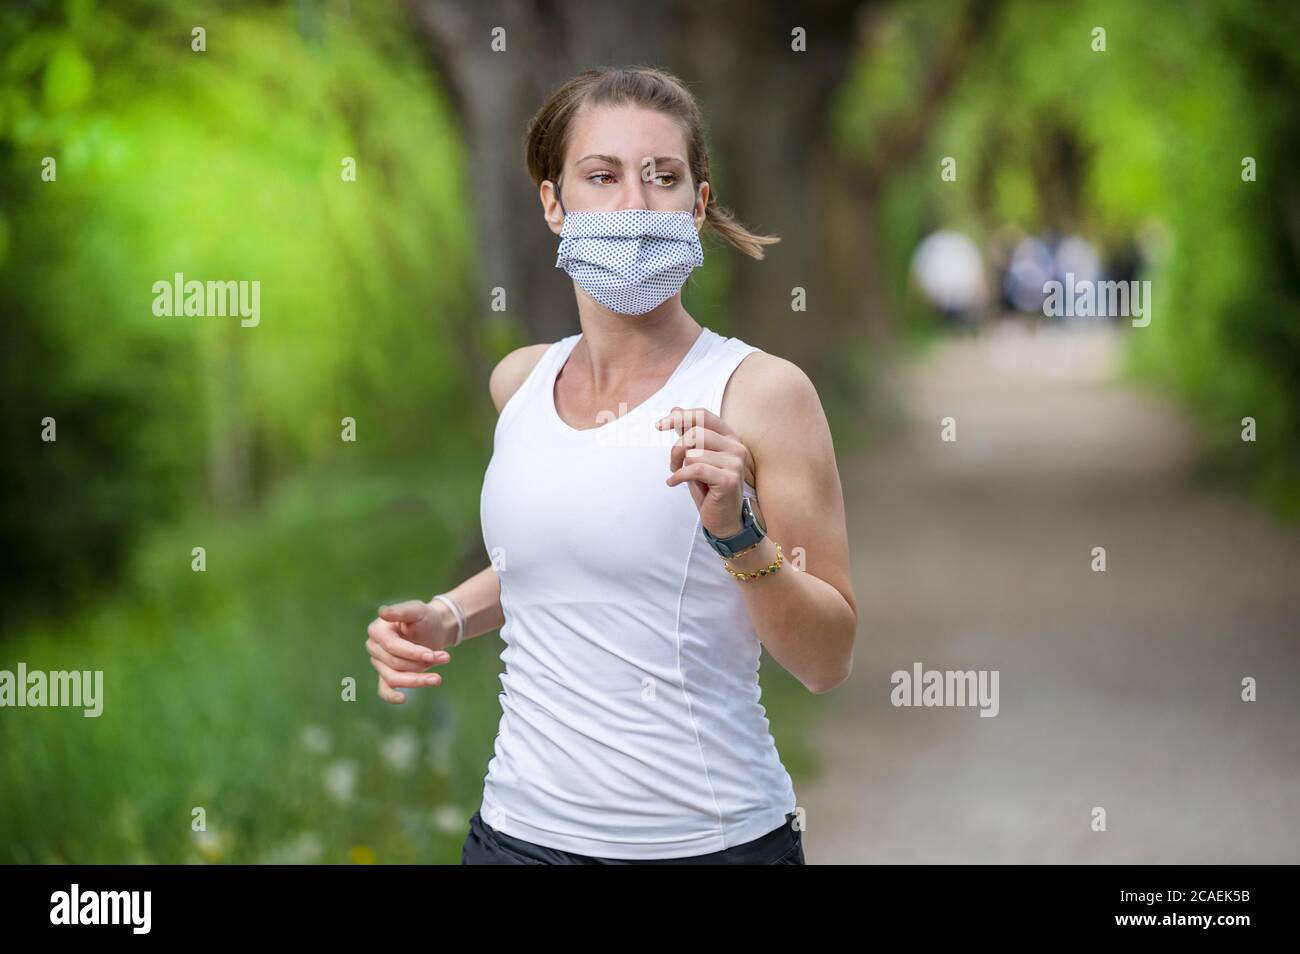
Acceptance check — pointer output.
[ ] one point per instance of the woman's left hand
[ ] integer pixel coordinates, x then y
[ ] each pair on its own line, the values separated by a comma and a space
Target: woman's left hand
711, 458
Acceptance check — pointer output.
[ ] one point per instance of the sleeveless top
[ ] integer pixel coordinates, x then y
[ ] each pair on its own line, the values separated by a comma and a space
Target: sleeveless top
630, 717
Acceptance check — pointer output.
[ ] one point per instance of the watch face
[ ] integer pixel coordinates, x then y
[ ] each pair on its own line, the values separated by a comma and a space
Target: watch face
753, 511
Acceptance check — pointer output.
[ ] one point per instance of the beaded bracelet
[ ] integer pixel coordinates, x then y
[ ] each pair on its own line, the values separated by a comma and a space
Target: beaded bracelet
764, 571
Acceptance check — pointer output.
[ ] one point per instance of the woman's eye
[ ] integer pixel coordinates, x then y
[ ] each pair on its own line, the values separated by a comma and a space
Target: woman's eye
668, 175
601, 175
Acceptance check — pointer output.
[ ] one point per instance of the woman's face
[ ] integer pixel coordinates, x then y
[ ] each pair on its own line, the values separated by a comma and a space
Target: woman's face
624, 157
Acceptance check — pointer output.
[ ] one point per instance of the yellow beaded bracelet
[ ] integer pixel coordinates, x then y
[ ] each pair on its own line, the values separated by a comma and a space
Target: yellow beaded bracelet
763, 571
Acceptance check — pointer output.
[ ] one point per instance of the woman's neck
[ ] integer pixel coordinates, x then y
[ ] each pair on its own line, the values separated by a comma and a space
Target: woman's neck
618, 348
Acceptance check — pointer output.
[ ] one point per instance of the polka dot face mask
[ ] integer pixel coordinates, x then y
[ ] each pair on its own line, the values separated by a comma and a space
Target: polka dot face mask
630, 260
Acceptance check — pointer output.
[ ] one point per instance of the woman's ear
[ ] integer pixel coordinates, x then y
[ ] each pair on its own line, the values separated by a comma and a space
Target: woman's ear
551, 209
701, 205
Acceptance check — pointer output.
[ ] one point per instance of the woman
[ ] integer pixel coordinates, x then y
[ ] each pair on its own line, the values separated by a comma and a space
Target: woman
633, 573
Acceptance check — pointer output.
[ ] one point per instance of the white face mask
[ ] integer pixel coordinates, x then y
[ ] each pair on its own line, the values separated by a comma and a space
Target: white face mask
629, 260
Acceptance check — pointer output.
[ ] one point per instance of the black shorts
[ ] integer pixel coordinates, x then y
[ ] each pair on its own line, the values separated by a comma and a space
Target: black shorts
484, 845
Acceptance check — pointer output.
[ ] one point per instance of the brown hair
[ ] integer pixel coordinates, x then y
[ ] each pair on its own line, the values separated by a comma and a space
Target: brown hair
547, 138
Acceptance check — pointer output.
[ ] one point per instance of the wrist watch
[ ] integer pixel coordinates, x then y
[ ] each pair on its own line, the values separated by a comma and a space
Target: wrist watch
750, 533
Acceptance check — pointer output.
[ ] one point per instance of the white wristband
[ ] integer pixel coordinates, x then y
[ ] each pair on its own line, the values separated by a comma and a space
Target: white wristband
457, 612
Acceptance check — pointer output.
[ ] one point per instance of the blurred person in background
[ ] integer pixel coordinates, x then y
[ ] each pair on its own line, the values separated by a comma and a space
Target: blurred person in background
948, 269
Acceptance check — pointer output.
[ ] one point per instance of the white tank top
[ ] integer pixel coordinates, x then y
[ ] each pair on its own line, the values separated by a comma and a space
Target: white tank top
630, 717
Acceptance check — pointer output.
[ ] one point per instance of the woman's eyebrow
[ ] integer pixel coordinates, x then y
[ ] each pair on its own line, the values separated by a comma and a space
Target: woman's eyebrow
609, 160
614, 161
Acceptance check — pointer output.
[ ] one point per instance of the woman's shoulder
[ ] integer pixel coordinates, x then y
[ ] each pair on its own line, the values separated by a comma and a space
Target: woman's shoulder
512, 370
766, 390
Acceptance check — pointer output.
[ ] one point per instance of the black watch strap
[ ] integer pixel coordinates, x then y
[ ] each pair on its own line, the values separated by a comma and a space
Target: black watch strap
749, 534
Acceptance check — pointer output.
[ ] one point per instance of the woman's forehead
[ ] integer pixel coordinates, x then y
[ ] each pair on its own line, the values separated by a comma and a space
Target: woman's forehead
626, 132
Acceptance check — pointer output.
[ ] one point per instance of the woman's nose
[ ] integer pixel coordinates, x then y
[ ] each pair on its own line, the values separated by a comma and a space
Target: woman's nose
635, 194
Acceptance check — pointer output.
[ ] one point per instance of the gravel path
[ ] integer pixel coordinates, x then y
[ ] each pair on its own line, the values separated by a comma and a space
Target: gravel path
1119, 689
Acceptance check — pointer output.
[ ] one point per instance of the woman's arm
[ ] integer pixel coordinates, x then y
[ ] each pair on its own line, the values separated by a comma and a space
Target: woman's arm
480, 600
405, 639
805, 614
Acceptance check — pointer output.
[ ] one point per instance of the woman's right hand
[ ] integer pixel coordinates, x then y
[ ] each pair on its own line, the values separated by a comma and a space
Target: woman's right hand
406, 639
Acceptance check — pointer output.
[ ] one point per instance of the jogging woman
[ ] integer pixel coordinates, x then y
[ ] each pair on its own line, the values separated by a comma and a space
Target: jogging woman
634, 577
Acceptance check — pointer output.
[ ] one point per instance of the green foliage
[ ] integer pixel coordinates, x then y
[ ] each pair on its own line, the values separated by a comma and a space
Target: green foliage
221, 165
1146, 137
